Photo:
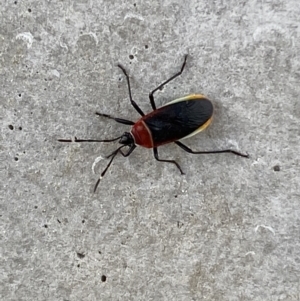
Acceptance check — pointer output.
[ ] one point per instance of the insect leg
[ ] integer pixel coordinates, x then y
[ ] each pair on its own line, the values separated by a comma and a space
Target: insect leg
168, 161
120, 120
164, 83
131, 149
187, 149
112, 156
134, 104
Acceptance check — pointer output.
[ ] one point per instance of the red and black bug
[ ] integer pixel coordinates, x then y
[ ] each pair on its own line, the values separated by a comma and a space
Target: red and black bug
177, 120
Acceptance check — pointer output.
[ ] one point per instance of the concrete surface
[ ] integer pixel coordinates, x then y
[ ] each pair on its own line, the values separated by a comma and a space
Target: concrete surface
227, 230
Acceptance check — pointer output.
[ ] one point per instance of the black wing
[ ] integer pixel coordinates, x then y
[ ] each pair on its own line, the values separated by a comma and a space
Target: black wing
177, 120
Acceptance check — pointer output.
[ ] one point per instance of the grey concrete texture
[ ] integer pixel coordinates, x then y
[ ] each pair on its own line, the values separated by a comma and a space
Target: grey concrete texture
229, 229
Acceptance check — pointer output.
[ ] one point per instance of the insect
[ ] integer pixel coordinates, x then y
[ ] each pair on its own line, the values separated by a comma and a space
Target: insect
177, 120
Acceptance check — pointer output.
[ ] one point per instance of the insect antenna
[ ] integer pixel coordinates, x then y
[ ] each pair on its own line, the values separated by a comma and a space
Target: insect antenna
88, 140
112, 155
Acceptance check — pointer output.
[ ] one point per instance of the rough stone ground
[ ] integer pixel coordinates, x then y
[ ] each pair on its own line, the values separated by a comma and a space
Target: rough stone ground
227, 230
